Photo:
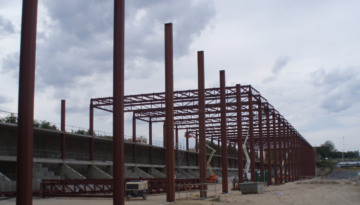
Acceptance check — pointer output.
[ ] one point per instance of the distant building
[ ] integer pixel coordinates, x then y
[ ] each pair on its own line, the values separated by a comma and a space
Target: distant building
141, 140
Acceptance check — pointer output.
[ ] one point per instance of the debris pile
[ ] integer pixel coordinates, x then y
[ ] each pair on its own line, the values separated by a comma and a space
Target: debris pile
339, 174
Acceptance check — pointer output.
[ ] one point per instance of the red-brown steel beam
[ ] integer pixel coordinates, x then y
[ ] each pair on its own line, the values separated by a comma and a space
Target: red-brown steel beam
177, 136
292, 155
91, 132
118, 107
275, 150
260, 113
24, 164
212, 146
223, 133
218, 151
239, 134
63, 108
150, 142
134, 138
169, 119
202, 137
280, 150
187, 153
251, 139
197, 149
268, 140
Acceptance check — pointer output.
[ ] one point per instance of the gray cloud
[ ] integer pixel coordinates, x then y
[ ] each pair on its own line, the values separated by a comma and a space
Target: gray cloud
6, 27
78, 41
279, 64
4, 99
10, 64
340, 88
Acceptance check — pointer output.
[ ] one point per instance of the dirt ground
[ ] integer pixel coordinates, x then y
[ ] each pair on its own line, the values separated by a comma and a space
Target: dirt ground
316, 191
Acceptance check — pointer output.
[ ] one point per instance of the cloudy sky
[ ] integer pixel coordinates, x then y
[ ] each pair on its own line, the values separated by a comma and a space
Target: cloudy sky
303, 56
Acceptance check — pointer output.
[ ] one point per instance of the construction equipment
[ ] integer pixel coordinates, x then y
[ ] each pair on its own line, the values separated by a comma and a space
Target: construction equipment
136, 188
212, 177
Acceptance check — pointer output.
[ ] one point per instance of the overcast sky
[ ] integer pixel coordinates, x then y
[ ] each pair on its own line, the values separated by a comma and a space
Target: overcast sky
303, 56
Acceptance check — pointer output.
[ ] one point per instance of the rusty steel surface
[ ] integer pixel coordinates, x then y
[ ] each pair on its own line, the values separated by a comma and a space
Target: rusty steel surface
202, 137
223, 133
118, 102
169, 114
134, 138
239, 134
24, 178
104, 187
63, 109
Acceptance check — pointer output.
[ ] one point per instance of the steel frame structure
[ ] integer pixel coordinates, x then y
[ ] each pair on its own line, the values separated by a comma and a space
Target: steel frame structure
269, 130
105, 187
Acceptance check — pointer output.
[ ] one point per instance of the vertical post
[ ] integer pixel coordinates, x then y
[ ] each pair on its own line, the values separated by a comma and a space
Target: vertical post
91, 131
202, 140
134, 137
150, 142
275, 149
280, 150
169, 114
268, 140
239, 134
284, 153
24, 165
164, 134
63, 108
187, 151
118, 107
218, 151
252, 144
262, 178
292, 155
197, 149
223, 133
212, 146
177, 136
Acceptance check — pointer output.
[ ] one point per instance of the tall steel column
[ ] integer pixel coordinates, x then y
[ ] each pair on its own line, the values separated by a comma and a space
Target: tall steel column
202, 139
251, 135
268, 141
275, 149
212, 146
280, 150
197, 149
91, 132
24, 164
239, 134
169, 114
118, 104
262, 178
218, 151
292, 155
63, 105
177, 136
150, 142
187, 151
134, 137
224, 155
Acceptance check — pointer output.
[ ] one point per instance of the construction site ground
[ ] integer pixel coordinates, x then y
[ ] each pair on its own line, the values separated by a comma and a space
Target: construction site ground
315, 191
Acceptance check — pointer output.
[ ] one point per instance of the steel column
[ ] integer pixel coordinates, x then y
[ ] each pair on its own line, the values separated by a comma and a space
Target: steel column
251, 135
224, 155
150, 142
91, 133
25, 130
202, 137
212, 146
239, 134
134, 137
218, 151
262, 178
169, 118
63, 104
268, 140
197, 149
177, 136
280, 150
292, 156
118, 104
275, 149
